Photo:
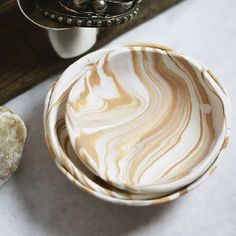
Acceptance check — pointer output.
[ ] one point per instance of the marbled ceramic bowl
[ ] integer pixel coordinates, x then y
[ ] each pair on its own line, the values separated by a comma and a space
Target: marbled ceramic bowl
59, 145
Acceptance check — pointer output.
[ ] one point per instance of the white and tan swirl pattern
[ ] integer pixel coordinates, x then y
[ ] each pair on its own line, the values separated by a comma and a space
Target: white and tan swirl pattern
147, 120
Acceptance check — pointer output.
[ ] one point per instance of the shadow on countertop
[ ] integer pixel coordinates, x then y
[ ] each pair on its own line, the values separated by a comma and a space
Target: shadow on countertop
58, 207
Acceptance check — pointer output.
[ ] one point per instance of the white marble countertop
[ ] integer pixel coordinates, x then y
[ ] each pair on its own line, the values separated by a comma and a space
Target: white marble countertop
38, 200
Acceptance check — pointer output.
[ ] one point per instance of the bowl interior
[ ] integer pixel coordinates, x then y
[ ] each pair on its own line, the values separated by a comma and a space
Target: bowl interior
146, 120
58, 141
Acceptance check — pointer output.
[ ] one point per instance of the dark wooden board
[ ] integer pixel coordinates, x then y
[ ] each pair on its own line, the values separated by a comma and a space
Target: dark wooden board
26, 56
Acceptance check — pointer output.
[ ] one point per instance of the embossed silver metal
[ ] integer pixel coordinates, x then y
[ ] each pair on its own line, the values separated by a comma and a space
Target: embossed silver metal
73, 16
99, 6
63, 14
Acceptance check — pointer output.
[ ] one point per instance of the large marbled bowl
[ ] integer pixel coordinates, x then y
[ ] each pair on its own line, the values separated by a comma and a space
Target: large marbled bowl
61, 151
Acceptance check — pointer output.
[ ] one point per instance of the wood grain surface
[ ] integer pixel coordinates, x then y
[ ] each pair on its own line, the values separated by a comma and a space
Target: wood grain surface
26, 56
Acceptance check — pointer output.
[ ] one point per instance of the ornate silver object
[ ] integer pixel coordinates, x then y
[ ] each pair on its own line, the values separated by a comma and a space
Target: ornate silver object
76, 16
62, 14
90, 13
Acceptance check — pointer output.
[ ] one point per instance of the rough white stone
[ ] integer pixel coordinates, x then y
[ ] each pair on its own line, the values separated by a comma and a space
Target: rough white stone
12, 139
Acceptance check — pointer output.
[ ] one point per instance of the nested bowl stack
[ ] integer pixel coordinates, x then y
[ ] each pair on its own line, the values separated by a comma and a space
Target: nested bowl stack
137, 125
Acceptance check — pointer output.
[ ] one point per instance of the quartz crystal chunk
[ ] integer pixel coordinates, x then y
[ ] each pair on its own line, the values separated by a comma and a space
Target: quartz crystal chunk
12, 139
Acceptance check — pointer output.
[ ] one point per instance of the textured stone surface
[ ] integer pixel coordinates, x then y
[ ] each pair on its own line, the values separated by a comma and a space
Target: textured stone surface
12, 139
